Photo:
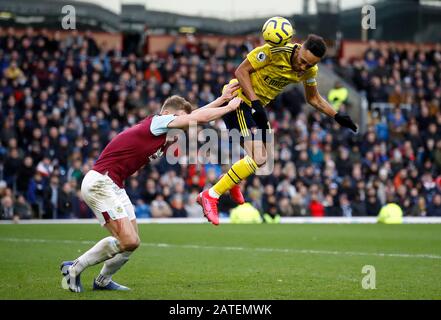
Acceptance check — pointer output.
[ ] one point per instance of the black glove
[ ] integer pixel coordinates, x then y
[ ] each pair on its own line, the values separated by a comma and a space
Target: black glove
260, 115
345, 121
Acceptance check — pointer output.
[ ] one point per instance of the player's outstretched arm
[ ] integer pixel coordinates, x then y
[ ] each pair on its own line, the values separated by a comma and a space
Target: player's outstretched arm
205, 115
228, 93
318, 102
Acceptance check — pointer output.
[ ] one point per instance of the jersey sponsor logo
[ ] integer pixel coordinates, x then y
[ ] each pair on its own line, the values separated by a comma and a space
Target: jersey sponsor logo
278, 82
261, 56
156, 155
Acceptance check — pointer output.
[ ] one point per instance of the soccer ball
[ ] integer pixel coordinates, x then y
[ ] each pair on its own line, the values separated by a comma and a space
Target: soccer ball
277, 31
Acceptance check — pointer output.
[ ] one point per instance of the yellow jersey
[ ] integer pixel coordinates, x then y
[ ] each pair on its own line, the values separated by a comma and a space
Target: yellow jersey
273, 72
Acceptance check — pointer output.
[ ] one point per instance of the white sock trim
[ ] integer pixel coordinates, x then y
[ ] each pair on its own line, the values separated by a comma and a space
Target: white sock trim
102, 281
213, 193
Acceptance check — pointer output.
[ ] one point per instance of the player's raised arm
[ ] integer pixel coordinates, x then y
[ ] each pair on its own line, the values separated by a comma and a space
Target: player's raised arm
318, 102
206, 114
306, 60
314, 98
256, 59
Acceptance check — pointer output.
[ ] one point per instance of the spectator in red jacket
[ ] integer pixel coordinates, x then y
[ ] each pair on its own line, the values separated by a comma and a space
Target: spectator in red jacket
316, 208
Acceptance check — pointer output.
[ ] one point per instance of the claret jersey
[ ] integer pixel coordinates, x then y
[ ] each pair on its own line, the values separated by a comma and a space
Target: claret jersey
133, 148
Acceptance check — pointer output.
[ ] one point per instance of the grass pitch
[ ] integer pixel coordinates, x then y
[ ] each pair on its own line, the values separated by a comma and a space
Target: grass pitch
232, 261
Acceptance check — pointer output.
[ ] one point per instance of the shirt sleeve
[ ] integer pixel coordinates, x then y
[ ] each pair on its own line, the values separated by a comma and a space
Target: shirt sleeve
159, 124
309, 79
259, 57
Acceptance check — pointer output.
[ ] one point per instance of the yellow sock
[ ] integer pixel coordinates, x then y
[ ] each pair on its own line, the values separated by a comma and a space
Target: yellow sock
238, 172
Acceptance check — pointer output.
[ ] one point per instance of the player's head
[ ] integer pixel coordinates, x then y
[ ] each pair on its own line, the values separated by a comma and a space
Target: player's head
311, 52
176, 105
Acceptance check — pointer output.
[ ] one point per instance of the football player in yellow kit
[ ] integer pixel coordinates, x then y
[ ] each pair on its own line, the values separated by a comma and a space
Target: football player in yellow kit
265, 72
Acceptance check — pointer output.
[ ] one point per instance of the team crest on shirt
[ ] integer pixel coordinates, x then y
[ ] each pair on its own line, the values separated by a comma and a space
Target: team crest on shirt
119, 210
261, 56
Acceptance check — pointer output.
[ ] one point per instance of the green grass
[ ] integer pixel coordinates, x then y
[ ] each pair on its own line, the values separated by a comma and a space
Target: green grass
232, 261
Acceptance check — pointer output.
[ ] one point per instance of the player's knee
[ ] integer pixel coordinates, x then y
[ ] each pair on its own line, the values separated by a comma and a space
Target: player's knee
260, 160
130, 244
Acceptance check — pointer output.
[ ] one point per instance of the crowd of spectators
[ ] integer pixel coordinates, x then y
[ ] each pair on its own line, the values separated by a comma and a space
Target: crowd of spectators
62, 101
402, 85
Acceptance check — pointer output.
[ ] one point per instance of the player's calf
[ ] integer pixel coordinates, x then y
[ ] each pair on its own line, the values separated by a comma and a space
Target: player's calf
125, 232
257, 152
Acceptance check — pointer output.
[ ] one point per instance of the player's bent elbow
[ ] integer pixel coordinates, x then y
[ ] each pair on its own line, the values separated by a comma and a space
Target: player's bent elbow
240, 71
237, 72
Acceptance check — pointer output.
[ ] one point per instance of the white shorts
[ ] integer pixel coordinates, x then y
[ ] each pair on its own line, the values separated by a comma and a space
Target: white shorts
105, 198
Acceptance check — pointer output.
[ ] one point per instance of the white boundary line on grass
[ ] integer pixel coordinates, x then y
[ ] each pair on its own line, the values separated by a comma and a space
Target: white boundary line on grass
227, 248
283, 220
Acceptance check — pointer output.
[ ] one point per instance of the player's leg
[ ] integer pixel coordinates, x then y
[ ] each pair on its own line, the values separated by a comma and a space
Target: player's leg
256, 154
242, 169
123, 240
243, 121
111, 266
129, 241
98, 192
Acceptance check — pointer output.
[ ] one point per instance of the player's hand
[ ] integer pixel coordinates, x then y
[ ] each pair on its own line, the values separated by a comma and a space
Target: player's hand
230, 91
260, 115
345, 121
234, 103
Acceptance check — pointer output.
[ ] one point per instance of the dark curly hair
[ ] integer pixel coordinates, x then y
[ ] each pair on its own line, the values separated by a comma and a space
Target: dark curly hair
316, 45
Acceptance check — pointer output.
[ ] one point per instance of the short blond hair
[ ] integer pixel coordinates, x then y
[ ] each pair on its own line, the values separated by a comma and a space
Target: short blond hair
176, 103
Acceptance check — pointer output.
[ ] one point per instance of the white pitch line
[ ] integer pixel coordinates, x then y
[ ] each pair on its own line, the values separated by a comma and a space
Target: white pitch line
270, 250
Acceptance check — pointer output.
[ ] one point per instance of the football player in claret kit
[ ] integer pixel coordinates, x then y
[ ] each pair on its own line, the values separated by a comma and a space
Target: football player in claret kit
103, 186
265, 72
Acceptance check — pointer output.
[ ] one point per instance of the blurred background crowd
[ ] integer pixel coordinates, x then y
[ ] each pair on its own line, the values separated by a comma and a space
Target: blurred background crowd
62, 101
